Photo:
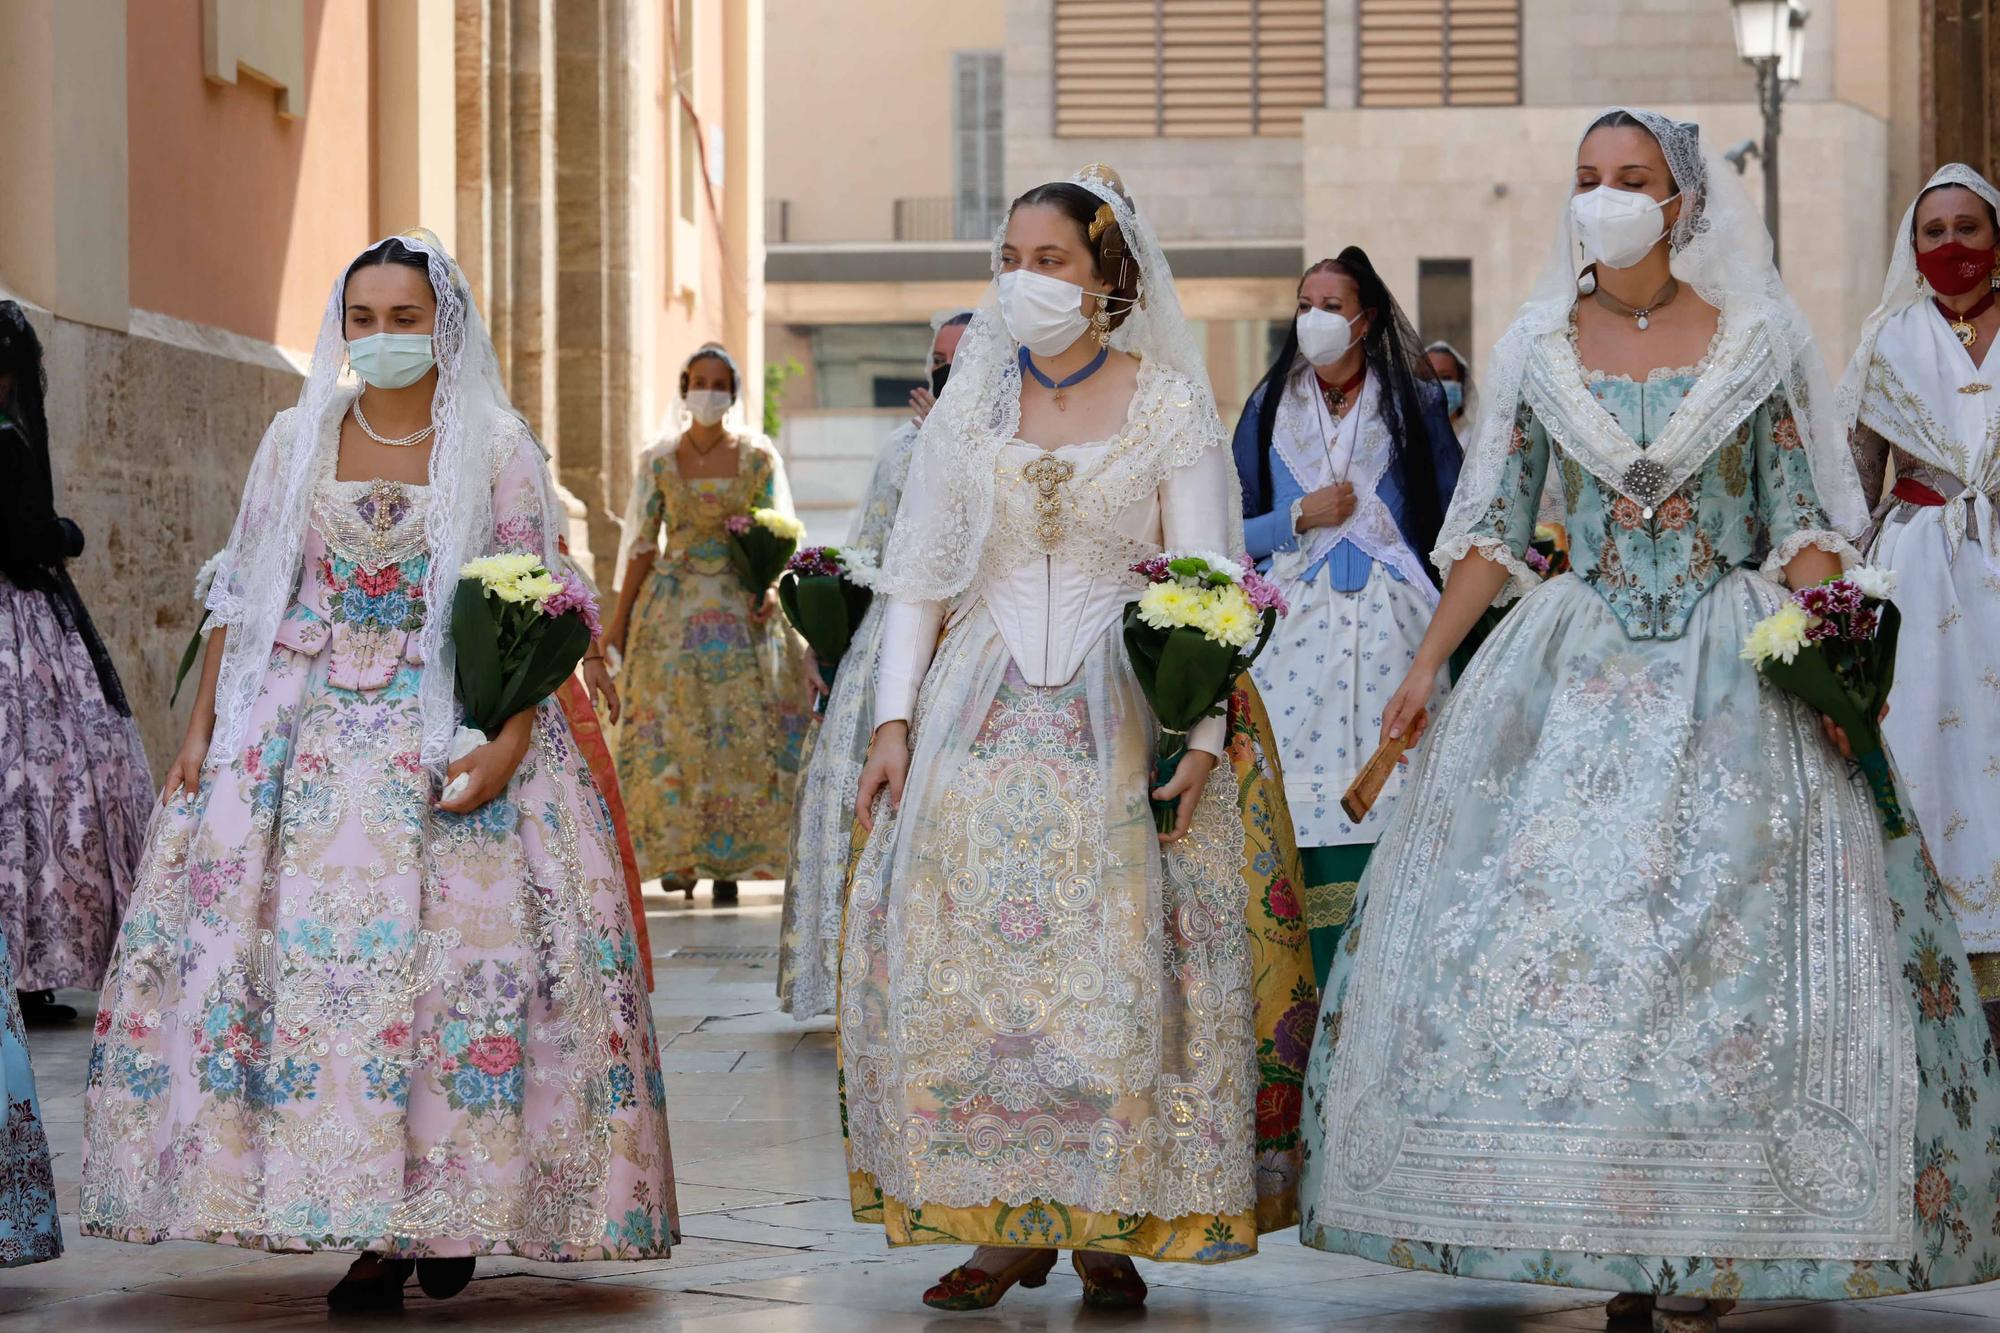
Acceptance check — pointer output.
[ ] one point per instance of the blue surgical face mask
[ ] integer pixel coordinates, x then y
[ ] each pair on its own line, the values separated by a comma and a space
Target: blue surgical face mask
1454, 397
391, 360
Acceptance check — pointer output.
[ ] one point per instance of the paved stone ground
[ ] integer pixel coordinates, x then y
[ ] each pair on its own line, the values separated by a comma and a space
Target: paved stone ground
769, 1246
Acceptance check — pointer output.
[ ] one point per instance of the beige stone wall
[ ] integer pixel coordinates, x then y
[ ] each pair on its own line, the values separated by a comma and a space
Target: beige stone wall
1409, 185
860, 107
151, 433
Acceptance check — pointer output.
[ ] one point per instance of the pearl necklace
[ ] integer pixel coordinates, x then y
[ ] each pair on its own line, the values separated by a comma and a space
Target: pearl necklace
408, 441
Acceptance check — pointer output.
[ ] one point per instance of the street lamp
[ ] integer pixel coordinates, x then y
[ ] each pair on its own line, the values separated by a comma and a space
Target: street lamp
1771, 38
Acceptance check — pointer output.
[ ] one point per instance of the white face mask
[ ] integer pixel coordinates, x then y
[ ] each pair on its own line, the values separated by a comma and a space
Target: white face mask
708, 406
1618, 228
1324, 336
1043, 314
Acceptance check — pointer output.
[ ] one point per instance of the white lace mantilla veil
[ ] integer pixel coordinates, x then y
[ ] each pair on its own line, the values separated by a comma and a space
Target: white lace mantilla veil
259, 570
1721, 249
1900, 289
947, 506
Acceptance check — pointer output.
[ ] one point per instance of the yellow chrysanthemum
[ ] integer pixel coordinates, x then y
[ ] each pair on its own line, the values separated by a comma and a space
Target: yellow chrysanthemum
1168, 605
1230, 618
537, 588
1779, 635
777, 524
505, 568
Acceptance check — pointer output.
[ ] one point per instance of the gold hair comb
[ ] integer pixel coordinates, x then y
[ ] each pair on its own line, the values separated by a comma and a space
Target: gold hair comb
1105, 218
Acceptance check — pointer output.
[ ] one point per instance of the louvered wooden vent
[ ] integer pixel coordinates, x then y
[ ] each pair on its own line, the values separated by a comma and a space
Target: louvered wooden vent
1188, 68
1440, 52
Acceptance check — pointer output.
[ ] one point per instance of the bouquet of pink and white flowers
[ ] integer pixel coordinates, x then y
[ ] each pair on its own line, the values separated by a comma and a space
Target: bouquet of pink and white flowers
1833, 646
760, 542
519, 632
1198, 626
824, 592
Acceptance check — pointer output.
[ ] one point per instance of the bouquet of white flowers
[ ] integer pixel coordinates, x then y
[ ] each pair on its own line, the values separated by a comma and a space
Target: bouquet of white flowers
1833, 645
760, 542
1198, 626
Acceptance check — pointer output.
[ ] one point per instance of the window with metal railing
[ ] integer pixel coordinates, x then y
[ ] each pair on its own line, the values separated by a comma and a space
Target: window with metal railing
1439, 52
1187, 68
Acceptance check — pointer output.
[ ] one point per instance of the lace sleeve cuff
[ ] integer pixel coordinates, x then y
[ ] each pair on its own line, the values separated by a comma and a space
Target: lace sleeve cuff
1521, 580
1818, 538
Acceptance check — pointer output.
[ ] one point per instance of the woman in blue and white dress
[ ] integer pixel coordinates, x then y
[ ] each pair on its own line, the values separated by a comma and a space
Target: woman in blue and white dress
1637, 996
1347, 461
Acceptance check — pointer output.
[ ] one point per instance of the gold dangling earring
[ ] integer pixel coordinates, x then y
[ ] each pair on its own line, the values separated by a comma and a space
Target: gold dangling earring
1100, 323
1994, 281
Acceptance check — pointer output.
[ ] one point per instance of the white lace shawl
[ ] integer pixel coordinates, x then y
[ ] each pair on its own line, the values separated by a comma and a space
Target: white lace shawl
1722, 251
476, 429
948, 502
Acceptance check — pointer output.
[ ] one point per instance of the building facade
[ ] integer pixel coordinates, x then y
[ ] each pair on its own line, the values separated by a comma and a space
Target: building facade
1257, 134
186, 177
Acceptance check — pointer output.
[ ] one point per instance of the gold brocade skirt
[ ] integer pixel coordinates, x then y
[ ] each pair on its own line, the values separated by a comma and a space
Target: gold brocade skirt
1285, 1006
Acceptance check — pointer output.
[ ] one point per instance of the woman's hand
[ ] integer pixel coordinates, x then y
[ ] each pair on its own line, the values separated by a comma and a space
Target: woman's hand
888, 765
1406, 714
1190, 779
184, 774
615, 632
921, 403
762, 607
1327, 507
813, 677
491, 766
597, 683
1837, 734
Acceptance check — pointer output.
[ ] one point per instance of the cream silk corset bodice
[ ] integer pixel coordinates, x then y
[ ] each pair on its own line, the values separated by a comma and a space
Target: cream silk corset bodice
1055, 572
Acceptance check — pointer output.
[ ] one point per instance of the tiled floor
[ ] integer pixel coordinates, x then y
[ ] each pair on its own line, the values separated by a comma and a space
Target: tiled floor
769, 1247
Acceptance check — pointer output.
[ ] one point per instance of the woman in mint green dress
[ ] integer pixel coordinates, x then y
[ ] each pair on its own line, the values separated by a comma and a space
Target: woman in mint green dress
1638, 998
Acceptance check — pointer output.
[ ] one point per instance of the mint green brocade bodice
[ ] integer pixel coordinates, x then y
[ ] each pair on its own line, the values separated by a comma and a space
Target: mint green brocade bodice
1652, 565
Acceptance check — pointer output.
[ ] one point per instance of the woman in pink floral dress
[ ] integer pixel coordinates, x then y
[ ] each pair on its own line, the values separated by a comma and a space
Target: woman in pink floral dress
343, 1015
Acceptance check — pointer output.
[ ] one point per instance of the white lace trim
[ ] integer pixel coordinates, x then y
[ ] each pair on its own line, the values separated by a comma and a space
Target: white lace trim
1521, 579
1818, 539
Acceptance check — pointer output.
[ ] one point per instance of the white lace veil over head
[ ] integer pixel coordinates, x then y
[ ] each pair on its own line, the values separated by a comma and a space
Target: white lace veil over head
477, 432
1721, 250
948, 500
1900, 289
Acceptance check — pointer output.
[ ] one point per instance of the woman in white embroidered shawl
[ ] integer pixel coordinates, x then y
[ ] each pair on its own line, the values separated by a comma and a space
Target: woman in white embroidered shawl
1923, 393
343, 1013
823, 813
1347, 459
1049, 1012
1638, 998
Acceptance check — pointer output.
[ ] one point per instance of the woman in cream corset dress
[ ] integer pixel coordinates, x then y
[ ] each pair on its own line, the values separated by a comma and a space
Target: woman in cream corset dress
1050, 1013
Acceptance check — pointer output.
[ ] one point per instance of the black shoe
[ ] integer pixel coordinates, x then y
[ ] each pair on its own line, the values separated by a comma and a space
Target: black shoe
40, 1010
381, 1289
441, 1278
672, 884
724, 891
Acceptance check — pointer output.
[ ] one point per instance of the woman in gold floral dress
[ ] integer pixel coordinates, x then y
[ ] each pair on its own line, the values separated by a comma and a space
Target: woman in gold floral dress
715, 686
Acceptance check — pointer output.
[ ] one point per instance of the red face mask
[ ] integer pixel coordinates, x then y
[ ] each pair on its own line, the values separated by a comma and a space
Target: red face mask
1953, 269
